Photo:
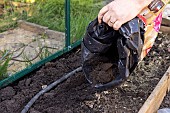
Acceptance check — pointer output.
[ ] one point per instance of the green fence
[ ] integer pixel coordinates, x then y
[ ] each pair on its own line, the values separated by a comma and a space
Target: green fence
69, 16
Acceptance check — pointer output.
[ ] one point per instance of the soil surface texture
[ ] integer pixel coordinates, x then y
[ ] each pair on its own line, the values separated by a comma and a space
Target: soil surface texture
75, 95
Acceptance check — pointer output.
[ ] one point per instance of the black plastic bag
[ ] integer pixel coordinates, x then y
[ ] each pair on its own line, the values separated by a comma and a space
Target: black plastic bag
120, 50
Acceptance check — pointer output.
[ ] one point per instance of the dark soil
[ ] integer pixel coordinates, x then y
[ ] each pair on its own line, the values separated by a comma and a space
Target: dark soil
166, 102
100, 70
76, 95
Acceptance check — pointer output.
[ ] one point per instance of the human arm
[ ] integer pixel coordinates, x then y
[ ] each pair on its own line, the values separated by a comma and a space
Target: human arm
119, 12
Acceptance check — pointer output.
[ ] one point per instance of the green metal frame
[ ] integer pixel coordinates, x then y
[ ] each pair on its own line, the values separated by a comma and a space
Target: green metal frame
67, 23
29, 69
67, 48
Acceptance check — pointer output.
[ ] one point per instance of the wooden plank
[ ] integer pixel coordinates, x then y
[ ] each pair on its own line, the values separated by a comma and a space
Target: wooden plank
155, 99
165, 22
165, 29
165, 25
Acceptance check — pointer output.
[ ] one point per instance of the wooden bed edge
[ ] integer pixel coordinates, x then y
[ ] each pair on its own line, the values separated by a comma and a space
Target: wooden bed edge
155, 99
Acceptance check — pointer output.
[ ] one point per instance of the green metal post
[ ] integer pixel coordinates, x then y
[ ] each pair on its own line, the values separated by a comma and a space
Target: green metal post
67, 23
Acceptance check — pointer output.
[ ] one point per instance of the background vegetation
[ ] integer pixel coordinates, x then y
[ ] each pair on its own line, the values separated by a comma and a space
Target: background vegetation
50, 13
4, 63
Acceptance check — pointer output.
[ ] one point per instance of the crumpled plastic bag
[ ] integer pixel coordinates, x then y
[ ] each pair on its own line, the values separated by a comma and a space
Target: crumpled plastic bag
121, 50
101, 44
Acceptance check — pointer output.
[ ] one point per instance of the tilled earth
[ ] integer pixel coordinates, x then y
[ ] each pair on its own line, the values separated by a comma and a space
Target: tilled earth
76, 95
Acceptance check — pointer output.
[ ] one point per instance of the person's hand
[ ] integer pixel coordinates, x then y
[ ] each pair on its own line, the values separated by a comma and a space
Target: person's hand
119, 12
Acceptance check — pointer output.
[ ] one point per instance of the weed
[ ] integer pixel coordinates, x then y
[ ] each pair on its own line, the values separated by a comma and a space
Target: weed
4, 63
26, 59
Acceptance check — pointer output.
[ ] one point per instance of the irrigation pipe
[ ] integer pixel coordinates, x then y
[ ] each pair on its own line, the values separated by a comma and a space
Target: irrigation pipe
30, 60
49, 87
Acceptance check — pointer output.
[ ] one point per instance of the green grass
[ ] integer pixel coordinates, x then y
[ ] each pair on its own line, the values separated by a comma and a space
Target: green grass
10, 16
51, 14
4, 62
6, 24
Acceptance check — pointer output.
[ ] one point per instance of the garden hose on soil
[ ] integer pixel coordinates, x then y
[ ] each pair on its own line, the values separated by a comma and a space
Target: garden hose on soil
49, 87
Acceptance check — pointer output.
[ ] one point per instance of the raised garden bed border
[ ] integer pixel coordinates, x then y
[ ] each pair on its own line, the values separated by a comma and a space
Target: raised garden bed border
155, 99
29, 69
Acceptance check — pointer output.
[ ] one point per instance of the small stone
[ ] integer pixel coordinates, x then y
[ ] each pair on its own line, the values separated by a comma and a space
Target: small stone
160, 57
106, 92
44, 86
167, 57
134, 98
21, 83
153, 52
169, 49
160, 46
159, 39
125, 85
28, 81
98, 96
89, 103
